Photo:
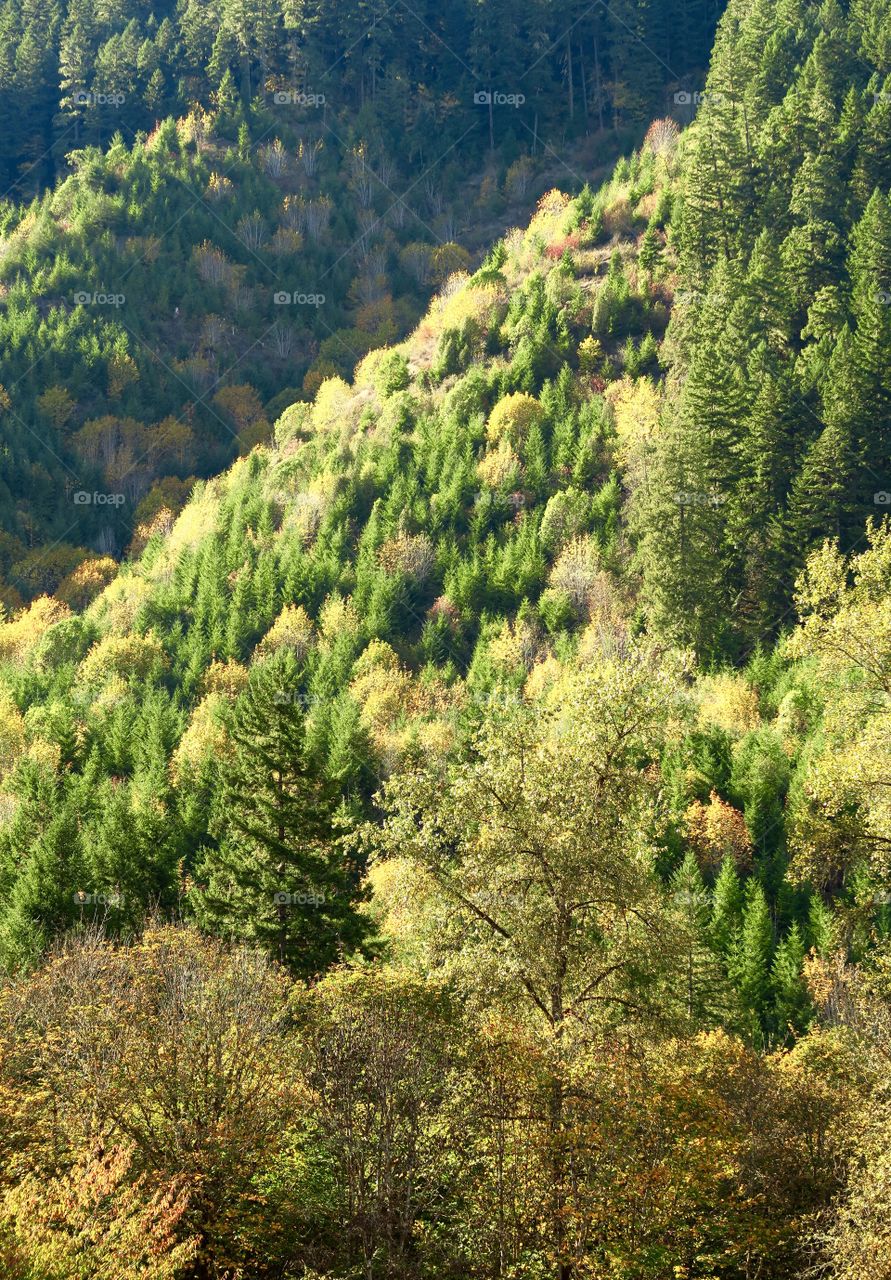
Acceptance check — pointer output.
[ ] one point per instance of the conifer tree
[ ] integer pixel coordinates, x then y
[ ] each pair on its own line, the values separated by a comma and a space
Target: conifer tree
791, 1001
727, 904
704, 988
278, 875
751, 966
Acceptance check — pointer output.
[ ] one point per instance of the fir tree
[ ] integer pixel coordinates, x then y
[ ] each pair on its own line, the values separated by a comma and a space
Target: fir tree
792, 1004
727, 904
751, 966
705, 992
278, 874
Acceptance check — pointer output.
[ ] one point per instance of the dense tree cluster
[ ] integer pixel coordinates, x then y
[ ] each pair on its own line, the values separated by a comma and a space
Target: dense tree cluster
454, 842
206, 212
423, 76
777, 430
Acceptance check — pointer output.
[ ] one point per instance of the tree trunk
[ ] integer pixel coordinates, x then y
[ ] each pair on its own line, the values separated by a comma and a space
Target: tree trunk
584, 84
556, 1137
597, 84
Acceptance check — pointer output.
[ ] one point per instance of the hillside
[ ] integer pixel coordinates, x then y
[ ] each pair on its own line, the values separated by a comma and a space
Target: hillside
164, 302
452, 841
170, 174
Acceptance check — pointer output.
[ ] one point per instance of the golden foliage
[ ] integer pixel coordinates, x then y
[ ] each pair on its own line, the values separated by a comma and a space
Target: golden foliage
131, 657
19, 636
448, 259
242, 404
382, 693
225, 678
331, 403
292, 629
338, 616
412, 554
512, 418
636, 407
13, 738
85, 582
460, 302
196, 520
56, 404
100, 1210
500, 467
517, 646
578, 572
717, 831
204, 739
160, 524
728, 702
122, 372
547, 222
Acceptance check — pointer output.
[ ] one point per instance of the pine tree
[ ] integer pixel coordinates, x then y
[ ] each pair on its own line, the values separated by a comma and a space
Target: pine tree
705, 993
42, 899
823, 501
866, 398
650, 252
792, 1004
278, 875
777, 427
130, 856
75, 63
821, 930
727, 904
751, 966
874, 152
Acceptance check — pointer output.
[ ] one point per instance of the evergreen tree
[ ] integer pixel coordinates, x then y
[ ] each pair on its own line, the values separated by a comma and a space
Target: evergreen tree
278, 874
727, 904
751, 965
42, 899
792, 1005
704, 990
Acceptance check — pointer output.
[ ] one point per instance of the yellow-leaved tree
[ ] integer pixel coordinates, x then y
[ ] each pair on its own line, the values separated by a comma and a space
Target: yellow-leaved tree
844, 821
537, 850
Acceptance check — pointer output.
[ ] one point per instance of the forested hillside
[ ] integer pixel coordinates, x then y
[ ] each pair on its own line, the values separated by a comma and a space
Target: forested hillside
76, 73
205, 209
453, 841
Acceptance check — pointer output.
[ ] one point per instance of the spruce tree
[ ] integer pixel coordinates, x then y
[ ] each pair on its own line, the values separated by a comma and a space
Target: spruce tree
792, 1004
278, 875
751, 966
703, 984
727, 903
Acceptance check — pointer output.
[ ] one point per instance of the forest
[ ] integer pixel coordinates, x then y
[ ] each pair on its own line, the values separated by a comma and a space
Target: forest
207, 209
445, 656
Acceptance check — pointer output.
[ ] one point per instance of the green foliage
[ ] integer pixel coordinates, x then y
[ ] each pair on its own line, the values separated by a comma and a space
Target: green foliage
276, 875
